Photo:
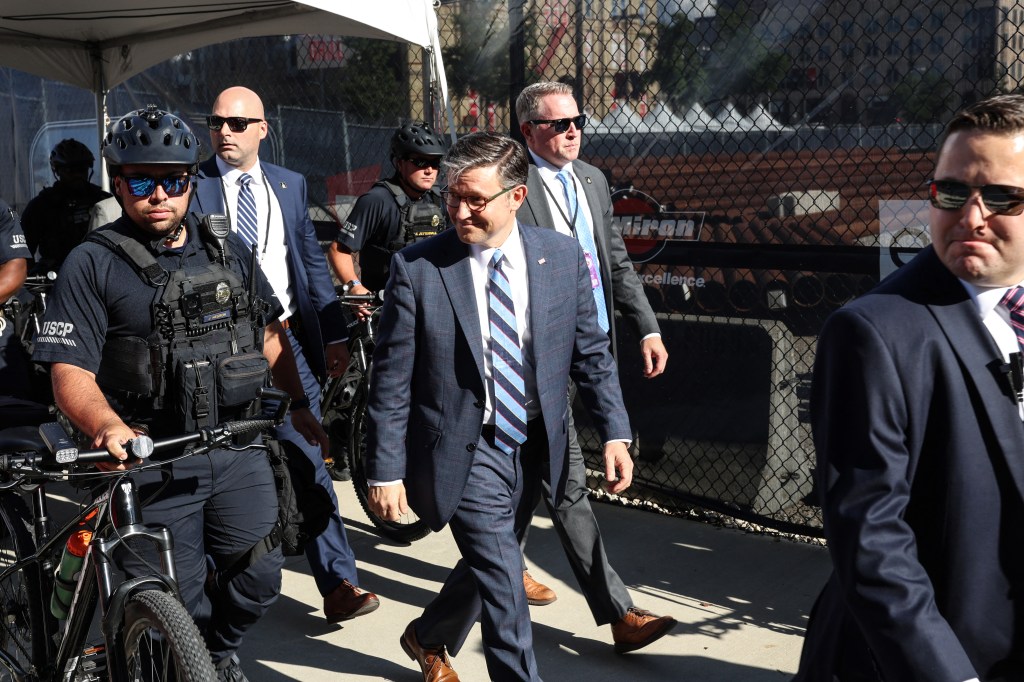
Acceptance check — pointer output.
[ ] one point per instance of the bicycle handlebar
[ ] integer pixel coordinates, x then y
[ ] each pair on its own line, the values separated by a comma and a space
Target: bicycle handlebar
209, 437
356, 299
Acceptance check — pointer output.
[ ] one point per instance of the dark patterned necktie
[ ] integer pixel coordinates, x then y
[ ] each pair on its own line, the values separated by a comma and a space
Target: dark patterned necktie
248, 228
1013, 301
506, 361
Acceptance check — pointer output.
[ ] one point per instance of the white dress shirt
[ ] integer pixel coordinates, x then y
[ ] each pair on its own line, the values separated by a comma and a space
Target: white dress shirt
996, 319
514, 268
272, 249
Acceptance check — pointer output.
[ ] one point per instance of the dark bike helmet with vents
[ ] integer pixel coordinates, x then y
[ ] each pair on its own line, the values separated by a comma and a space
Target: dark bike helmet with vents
70, 153
416, 139
150, 136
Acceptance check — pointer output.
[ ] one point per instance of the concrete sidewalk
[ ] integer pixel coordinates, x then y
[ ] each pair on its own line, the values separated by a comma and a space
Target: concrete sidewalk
741, 601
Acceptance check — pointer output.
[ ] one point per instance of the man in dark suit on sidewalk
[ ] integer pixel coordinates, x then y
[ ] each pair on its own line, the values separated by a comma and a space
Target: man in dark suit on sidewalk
573, 198
481, 328
916, 412
267, 207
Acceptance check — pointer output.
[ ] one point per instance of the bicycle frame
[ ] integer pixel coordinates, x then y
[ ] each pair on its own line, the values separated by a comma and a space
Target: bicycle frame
96, 585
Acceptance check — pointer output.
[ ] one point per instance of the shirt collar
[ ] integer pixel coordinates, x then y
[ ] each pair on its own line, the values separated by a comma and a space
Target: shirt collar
230, 173
512, 249
548, 169
986, 299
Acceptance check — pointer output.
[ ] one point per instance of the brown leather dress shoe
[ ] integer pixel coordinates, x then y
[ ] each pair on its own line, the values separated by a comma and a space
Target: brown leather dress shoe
536, 593
434, 663
348, 601
638, 628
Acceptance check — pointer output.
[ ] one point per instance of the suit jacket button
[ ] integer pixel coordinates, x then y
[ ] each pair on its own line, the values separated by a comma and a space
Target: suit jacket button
471, 447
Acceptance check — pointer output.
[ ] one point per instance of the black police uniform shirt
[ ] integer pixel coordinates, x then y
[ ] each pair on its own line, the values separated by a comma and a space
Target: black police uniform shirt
375, 219
57, 220
98, 295
14, 363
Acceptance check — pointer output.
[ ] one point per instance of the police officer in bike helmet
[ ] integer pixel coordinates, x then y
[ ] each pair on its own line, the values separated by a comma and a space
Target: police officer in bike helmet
159, 324
57, 219
396, 212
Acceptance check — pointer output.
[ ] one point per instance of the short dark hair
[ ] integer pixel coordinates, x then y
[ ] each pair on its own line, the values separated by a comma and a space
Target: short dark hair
483, 150
999, 115
529, 99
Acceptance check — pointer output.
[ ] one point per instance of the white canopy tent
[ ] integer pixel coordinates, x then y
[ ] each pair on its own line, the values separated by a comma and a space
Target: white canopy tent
98, 44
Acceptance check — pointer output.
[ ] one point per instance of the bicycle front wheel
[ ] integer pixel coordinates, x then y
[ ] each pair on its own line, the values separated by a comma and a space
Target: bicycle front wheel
410, 527
162, 642
23, 600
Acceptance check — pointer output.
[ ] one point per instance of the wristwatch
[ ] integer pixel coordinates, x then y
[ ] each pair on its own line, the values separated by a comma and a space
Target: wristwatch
299, 404
351, 283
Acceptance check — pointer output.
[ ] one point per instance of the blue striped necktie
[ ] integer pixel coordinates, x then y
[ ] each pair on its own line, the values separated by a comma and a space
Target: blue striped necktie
1013, 300
248, 228
506, 361
581, 226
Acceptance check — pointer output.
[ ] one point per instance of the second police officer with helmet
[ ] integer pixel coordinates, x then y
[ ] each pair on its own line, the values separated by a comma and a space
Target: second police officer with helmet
159, 324
396, 212
57, 219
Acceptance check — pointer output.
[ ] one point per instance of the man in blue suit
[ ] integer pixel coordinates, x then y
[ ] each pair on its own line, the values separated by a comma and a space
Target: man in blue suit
293, 261
917, 415
454, 433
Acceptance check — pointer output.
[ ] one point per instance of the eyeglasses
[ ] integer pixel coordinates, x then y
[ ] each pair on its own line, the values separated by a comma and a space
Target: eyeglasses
236, 124
950, 195
143, 185
560, 125
475, 204
425, 163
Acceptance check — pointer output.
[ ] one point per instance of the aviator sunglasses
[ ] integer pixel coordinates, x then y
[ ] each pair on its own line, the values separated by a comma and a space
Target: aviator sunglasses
143, 185
562, 124
236, 124
951, 195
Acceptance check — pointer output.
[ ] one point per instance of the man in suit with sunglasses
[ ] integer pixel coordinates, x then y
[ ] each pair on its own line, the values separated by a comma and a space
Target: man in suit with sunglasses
269, 203
552, 125
917, 419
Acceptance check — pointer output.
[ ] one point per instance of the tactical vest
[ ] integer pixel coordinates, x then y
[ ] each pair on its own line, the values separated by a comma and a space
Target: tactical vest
204, 356
418, 220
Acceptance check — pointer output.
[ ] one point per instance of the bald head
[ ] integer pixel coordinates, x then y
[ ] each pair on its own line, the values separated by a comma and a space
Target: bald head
239, 149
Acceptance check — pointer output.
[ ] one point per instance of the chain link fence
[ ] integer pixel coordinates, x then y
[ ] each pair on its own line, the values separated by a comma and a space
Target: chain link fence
767, 161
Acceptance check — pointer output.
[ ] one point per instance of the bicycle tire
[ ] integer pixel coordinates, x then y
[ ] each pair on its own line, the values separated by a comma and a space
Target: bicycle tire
178, 653
24, 601
411, 527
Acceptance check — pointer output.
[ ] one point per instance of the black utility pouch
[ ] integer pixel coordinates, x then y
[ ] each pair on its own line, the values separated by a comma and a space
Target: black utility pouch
196, 383
239, 379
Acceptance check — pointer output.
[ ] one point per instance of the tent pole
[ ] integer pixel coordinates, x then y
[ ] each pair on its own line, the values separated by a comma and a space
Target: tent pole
100, 88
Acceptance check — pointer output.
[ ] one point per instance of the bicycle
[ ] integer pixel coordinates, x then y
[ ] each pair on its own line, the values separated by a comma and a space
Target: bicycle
147, 635
343, 403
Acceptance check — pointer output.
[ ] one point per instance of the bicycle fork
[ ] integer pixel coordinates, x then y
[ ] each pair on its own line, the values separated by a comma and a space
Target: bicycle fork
125, 524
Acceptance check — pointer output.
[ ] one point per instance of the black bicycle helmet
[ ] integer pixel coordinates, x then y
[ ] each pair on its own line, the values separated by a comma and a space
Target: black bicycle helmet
150, 136
70, 153
416, 138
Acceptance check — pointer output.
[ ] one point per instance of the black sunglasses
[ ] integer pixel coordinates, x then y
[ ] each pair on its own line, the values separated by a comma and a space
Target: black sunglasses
236, 124
951, 195
562, 124
425, 163
143, 185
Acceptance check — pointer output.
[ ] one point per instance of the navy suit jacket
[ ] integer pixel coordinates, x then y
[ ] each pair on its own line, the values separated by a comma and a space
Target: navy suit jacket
921, 473
315, 299
427, 391
622, 287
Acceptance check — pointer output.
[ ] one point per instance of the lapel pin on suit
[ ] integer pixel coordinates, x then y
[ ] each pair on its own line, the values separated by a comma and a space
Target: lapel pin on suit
589, 181
542, 261
284, 185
